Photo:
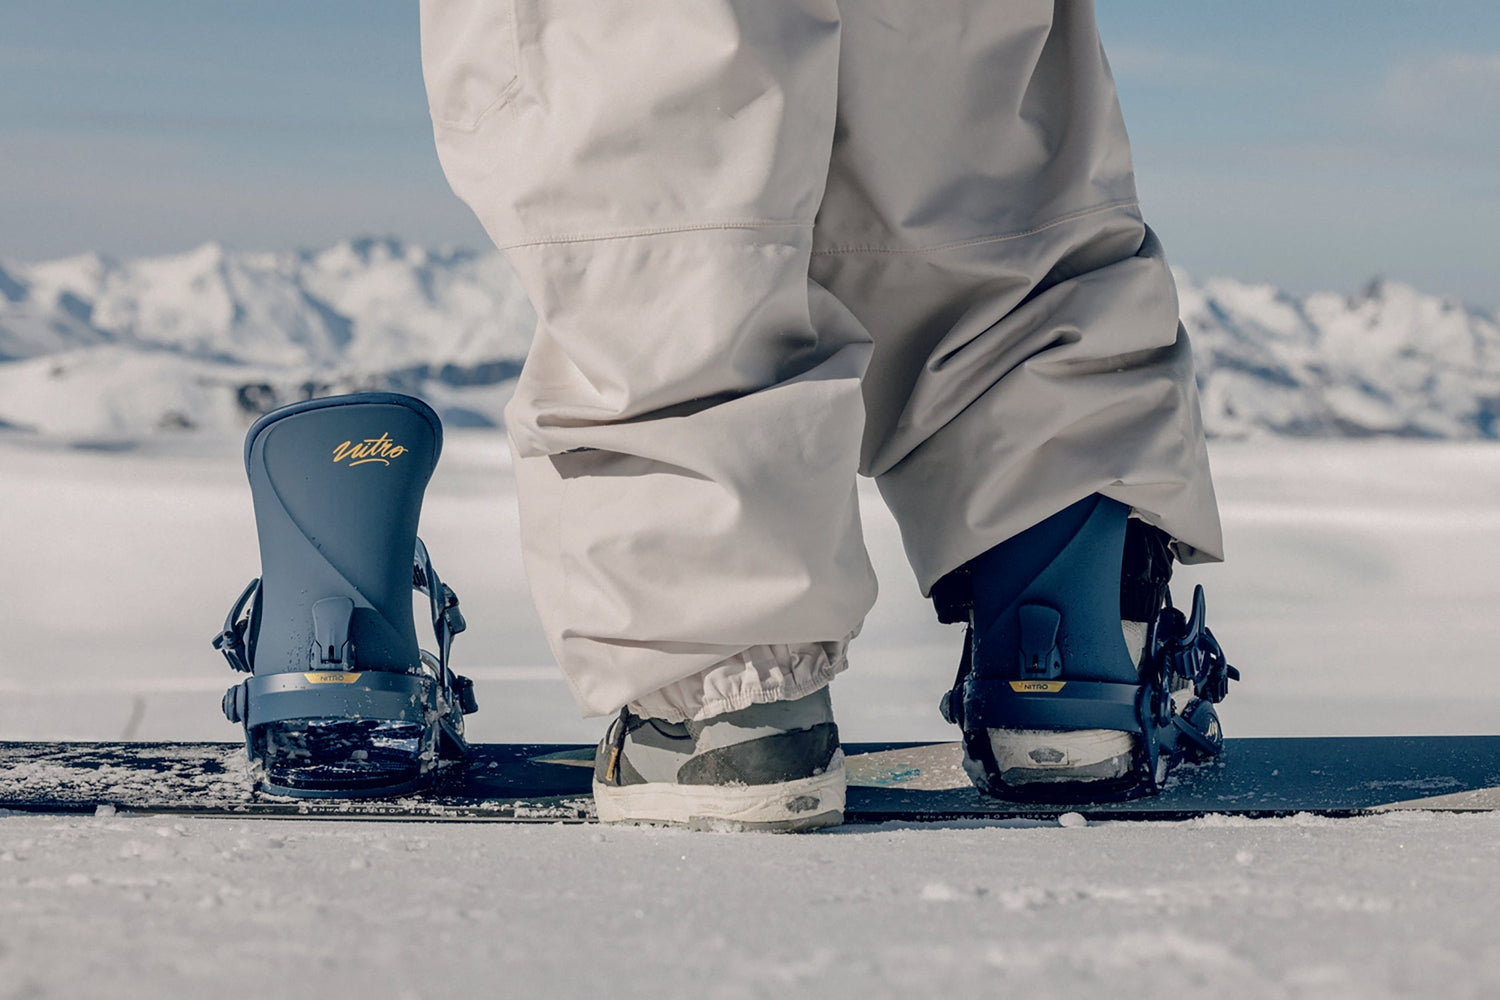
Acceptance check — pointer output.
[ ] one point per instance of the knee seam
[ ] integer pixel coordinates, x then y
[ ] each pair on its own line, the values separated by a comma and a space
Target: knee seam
1061, 220
630, 234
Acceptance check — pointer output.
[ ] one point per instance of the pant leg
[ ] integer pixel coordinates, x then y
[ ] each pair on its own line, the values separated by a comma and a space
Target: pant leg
981, 220
686, 428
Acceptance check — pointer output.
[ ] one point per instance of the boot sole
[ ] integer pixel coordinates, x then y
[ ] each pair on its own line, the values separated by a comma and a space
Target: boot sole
1078, 764
785, 807
1041, 762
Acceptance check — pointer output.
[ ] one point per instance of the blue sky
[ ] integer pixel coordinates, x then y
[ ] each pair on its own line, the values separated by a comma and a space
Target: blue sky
1309, 144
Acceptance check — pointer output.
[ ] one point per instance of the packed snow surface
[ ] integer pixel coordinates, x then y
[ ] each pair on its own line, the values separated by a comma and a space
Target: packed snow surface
1399, 905
1358, 598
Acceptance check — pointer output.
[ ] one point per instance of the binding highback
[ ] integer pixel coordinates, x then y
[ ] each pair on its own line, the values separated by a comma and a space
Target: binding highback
327, 631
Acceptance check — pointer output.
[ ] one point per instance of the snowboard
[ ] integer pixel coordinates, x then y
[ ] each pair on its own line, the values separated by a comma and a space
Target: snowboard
904, 782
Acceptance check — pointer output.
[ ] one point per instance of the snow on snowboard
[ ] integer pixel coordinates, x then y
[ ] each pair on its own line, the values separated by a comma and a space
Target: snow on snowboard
1334, 776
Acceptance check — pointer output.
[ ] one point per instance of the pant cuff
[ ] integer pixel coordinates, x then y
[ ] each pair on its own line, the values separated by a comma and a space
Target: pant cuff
753, 676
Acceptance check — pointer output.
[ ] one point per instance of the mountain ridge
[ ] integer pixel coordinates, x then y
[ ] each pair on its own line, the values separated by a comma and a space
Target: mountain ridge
92, 346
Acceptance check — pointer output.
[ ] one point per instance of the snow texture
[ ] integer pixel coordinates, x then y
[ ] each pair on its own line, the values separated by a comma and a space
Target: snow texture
140, 907
209, 339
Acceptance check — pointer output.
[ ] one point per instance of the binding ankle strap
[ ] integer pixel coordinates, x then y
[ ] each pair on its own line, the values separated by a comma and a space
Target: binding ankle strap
235, 638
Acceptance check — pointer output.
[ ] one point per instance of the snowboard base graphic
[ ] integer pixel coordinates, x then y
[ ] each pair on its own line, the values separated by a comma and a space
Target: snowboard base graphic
910, 782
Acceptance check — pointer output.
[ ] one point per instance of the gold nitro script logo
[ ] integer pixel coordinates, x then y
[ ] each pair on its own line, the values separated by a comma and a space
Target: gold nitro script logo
381, 449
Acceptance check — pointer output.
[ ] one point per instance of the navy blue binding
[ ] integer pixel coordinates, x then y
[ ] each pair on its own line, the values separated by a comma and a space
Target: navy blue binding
1044, 649
330, 677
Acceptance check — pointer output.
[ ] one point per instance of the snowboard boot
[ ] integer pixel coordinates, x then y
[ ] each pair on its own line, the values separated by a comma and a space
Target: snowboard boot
341, 701
774, 767
1079, 679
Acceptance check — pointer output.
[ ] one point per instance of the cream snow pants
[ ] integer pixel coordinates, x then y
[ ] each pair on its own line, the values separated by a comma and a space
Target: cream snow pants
776, 243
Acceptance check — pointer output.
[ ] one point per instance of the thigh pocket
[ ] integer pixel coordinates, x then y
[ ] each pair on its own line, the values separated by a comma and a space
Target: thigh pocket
470, 60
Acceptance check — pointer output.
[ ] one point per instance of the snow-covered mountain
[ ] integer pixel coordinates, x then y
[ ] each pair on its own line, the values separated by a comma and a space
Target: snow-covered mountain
209, 339
1388, 361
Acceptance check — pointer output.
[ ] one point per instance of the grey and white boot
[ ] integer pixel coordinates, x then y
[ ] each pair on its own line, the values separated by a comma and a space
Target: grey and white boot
774, 767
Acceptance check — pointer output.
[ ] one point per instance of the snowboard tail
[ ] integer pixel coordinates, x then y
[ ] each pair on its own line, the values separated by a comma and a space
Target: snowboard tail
907, 782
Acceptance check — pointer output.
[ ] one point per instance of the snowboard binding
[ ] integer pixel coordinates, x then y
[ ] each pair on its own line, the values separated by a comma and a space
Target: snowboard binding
1046, 660
341, 701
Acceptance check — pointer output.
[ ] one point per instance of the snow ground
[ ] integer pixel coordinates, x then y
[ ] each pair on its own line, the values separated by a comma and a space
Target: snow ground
1359, 598
1399, 905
